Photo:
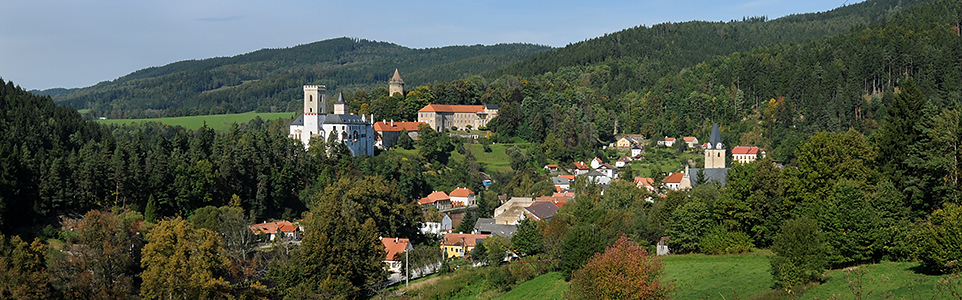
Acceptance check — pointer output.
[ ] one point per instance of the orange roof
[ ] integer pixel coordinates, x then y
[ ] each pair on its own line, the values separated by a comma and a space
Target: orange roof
745, 150
669, 139
551, 166
461, 192
689, 139
674, 178
397, 76
570, 177
463, 239
581, 166
434, 197
398, 126
647, 181
273, 227
394, 247
446, 108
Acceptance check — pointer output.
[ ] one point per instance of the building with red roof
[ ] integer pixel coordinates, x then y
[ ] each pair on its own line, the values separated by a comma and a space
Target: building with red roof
462, 196
284, 229
438, 199
394, 249
746, 155
461, 244
389, 131
443, 116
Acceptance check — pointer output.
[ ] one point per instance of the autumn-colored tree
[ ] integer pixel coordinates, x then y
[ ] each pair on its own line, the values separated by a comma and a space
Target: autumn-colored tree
23, 273
179, 261
623, 271
100, 260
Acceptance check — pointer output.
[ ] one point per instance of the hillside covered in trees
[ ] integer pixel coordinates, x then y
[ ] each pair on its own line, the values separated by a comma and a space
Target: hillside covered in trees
268, 80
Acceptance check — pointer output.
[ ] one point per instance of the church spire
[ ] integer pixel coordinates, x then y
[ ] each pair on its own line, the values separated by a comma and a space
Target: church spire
715, 139
396, 84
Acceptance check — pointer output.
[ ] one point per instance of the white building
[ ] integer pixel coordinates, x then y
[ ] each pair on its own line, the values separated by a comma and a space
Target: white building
357, 132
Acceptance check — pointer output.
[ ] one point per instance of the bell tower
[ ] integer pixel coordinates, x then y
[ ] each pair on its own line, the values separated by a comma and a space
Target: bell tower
715, 153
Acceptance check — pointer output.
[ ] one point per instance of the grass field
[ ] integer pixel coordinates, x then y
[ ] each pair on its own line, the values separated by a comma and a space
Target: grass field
699, 276
886, 280
217, 122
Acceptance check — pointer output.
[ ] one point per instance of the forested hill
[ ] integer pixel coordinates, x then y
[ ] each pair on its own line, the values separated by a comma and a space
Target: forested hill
637, 57
270, 79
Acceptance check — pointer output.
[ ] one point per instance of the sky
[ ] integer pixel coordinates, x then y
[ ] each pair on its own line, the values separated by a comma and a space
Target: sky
47, 43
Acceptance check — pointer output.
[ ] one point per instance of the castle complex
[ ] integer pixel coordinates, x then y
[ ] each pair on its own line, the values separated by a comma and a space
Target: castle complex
356, 132
441, 117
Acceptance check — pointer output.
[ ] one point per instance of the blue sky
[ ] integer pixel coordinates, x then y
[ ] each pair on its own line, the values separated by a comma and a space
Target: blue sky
47, 43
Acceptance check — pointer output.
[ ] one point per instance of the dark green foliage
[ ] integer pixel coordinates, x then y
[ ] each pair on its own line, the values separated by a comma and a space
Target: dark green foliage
404, 140
799, 253
580, 244
940, 247
721, 241
527, 240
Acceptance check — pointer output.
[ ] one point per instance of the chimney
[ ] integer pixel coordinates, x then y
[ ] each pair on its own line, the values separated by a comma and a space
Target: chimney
396, 240
392, 122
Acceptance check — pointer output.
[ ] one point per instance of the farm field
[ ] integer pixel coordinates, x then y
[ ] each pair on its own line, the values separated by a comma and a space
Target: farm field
217, 122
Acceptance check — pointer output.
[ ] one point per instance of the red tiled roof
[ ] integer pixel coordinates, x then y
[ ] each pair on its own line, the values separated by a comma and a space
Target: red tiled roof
394, 247
398, 126
445, 108
461, 192
688, 139
570, 177
463, 239
551, 166
647, 181
745, 150
273, 227
674, 178
434, 197
581, 166
669, 139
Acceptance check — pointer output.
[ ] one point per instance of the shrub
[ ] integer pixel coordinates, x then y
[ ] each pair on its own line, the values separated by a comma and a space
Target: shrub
722, 241
941, 240
799, 253
624, 271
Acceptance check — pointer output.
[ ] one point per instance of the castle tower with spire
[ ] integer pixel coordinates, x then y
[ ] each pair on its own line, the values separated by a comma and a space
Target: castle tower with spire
340, 107
715, 153
396, 85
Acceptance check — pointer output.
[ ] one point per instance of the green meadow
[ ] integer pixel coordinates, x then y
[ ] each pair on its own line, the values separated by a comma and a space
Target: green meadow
217, 122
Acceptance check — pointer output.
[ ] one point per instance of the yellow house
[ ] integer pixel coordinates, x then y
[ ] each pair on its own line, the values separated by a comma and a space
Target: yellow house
625, 142
461, 244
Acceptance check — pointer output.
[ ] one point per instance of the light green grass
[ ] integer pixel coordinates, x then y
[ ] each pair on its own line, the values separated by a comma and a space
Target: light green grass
699, 276
548, 286
217, 122
496, 160
83, 111
885, 280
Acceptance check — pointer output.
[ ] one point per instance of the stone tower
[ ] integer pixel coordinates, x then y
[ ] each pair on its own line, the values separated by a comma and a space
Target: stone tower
340, 107
314, 102
396, 85
715, 153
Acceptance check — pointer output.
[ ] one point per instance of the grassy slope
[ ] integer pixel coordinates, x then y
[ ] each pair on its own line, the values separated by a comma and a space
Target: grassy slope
217, 122
547, 286
698, 276
886, 280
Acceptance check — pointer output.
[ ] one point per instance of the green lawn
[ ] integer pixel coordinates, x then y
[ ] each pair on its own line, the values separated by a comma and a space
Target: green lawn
548, 286
494, 161
886, 280
699, 276
217, 122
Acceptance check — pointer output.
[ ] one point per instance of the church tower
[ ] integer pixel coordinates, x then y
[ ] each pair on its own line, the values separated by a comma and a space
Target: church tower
340, 107
396, 85
715, 153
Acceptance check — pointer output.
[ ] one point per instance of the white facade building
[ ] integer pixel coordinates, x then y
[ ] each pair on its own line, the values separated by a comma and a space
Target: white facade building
357, 132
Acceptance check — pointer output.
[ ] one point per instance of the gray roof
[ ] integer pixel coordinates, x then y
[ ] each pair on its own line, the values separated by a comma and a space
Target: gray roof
487, 226
542, 209
331, 119
593, 173
715, 135
718, 174
340, 98
560, 181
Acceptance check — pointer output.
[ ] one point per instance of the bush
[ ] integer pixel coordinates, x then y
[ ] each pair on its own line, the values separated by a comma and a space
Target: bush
722, 241
624, 271
941, 240
799, 253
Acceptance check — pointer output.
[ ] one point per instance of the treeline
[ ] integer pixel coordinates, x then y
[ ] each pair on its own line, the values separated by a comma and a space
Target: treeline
638, 57
269, 80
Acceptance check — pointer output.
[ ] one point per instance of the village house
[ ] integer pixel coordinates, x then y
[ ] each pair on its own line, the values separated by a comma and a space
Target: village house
558, 199
551, 168
438, 228
674, 181
512, 211
596, 177
272, 230
394, 248
540, 210
743, 154
461, 244
438, 199
626, 142
490, 226
562, 182
667, 142
388, 132
581, 168
622, 162
608, 170
691, 141
596, 163
645, 183
461, 197
636, 151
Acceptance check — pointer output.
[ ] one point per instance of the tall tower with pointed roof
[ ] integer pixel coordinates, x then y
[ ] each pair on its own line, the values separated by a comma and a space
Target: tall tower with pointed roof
396, 85
715, 153
340, 107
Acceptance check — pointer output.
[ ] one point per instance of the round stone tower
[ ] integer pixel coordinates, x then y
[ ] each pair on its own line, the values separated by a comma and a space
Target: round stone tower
396, 85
